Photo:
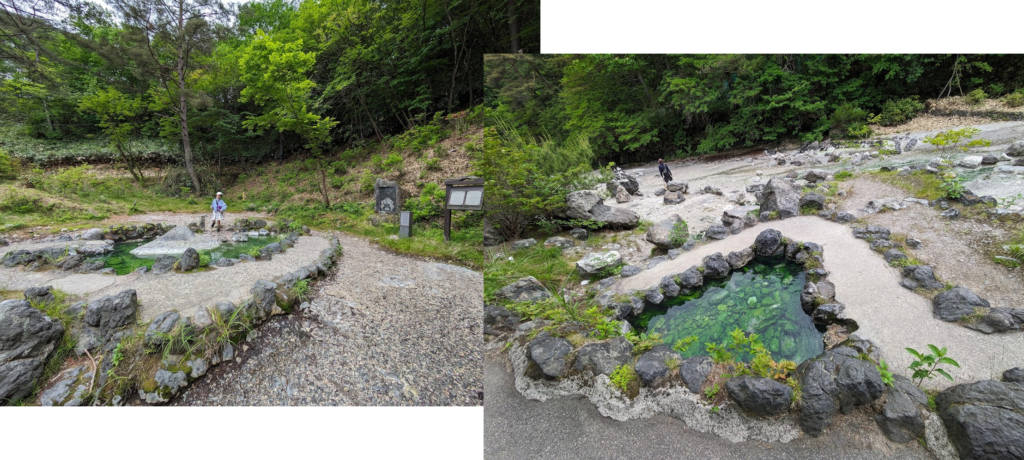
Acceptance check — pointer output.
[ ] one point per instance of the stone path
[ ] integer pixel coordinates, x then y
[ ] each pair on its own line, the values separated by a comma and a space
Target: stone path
382, 330
185, 293
890, 315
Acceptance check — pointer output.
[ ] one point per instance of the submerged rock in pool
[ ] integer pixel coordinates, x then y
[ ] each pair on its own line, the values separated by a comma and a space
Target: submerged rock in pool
175, 241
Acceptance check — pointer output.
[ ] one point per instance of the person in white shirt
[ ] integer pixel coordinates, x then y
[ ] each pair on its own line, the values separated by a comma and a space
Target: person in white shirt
218, 206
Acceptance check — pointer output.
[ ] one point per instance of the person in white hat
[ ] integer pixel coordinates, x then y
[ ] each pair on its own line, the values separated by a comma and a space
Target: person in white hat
218, 208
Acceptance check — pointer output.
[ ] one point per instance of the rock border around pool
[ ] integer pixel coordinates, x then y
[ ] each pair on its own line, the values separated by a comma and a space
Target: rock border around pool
102, 326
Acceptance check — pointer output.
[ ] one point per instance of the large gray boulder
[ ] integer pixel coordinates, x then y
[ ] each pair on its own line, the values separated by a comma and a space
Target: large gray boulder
677, 186
624, 180
549, 354
956, 303
900, 417
526, 289
653, 366
160, 328
715, 266
164, 264
859, 383
768, 243
93, 234
604, 357
694, 371
780, 196
660, 234
27, 337
739, 259
671, 198
112, 312
1016, 150
622, 196
819, 401
998, 320
189, 260
587, 205
815, 175
263, 299
39, 295
984, 420
593, 264
691, 278
716, 232
920, 276
760, 396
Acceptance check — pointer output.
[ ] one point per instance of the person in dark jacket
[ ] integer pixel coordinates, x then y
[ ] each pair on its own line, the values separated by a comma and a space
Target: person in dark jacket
664, 171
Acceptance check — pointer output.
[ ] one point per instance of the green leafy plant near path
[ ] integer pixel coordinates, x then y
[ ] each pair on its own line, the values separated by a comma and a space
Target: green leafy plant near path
623, 377
643, 342
957, 139
680, 233
926, 365
886, 374
761, 363
302, 289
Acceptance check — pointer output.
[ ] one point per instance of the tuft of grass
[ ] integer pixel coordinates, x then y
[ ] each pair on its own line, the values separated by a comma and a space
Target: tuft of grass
920, 184
624, 377
302, 289
546, 264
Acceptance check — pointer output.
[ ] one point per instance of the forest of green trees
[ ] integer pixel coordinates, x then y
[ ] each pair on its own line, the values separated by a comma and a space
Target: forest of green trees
632, 108
245, 82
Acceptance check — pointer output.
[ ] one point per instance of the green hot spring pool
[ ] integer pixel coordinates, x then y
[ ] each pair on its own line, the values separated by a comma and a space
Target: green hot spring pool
762, 298
124, 262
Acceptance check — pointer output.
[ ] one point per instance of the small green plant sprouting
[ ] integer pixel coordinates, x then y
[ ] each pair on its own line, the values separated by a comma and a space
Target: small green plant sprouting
643, 341
952, 184
711, 392
622, 377
682, 345
714, 409
957, 139
926, 365
680, 233
761, 363
883, 369
254, 252
204, 260
302, 289
798, 390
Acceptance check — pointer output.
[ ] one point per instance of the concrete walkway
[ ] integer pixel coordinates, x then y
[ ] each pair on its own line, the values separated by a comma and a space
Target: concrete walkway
892, 316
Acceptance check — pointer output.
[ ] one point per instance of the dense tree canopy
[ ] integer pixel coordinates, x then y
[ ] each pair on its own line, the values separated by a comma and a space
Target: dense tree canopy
244, 83
641, 107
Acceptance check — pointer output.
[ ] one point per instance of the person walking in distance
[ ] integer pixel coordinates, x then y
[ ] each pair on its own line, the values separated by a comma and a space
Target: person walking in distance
218, 206
664, 171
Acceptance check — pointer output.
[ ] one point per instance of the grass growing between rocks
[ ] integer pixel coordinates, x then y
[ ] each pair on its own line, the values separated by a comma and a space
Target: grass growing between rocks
546, 264
920, 184
56, 309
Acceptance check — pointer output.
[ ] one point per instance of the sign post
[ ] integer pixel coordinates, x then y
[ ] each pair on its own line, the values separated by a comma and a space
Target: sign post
462, 194
405, 221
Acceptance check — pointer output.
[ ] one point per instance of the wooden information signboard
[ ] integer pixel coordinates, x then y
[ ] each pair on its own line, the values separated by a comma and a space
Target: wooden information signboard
462, 194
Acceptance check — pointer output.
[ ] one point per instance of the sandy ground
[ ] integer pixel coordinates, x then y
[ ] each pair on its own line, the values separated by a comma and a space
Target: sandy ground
890, 315
185, 293
383, 330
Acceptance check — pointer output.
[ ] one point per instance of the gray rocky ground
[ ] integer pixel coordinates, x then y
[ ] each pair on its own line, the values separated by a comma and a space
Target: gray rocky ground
383, 329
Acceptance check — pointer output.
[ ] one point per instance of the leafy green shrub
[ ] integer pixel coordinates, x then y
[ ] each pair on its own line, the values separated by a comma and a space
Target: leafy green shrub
430, 203
898, 112
204, 260
976, 97
9, 167
859, 131
957, 139
952, 184
680, 233
925, 366
622, 377
843, 175
1015, 99
433, 164
846, 116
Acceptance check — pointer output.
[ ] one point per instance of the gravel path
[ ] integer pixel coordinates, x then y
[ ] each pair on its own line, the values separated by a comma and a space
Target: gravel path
571, 428
890, 315
382, 330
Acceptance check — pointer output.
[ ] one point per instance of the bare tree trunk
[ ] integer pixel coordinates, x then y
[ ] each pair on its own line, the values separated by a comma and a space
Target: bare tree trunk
280, 147
46, 108
513, 26
362, 101
323, 180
